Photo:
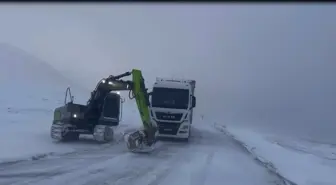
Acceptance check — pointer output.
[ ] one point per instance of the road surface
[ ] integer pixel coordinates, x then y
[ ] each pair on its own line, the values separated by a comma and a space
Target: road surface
210, 158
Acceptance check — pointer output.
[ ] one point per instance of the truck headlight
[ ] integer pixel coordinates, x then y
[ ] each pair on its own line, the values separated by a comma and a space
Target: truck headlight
185, 127
74, 115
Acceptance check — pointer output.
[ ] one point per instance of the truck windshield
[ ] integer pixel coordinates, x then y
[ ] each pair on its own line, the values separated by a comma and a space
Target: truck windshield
170, 98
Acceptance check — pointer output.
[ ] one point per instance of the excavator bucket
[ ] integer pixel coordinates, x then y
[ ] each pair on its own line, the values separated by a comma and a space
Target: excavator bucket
136, 142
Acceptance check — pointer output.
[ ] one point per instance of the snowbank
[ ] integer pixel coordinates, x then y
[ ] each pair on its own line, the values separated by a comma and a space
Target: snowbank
25, 134
25, 125
296, 161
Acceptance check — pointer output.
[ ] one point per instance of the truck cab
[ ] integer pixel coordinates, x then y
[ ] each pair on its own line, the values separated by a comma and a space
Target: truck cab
172, 103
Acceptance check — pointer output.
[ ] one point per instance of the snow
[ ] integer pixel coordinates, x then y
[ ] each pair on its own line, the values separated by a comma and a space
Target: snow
302, 162
31, 90
26, 125
210, 158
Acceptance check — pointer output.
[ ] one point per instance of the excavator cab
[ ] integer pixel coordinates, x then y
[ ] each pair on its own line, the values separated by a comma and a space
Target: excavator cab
111, 113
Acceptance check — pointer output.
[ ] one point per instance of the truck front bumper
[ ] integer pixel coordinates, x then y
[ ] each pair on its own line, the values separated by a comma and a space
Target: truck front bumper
182, 132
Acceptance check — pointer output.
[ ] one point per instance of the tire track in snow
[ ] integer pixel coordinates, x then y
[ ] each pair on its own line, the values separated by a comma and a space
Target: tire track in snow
28, 172
200, 177
118, 140
124, 176
194, 163
68, 168
92, 168
161, 172
139, 171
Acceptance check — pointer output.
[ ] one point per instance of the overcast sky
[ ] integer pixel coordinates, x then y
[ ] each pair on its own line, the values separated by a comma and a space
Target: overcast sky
261, 65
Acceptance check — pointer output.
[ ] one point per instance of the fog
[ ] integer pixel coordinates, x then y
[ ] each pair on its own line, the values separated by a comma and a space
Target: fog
268, 67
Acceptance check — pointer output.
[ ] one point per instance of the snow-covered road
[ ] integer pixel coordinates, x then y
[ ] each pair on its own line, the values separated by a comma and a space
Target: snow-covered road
209, 158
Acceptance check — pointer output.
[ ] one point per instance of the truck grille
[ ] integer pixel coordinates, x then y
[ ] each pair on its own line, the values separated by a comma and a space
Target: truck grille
168, 116
168, 128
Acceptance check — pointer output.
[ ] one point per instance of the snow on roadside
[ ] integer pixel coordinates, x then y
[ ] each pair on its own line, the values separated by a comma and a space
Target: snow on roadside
319, 149
25, 133
303, 168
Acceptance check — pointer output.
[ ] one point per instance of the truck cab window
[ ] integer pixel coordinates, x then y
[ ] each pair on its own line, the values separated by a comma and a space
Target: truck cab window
170, 98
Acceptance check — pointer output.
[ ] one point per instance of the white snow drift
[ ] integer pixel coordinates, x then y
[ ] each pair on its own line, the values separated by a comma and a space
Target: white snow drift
302, 162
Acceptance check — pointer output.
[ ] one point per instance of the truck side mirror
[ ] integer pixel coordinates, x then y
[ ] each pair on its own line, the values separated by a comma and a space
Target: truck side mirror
149, 98
193, 101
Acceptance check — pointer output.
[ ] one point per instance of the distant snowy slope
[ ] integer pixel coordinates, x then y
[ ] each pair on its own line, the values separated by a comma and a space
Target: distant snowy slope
30, 91
16, 64
25, 77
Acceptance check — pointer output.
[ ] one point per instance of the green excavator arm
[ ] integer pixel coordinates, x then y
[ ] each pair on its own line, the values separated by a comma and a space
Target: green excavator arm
141, 97
138, 91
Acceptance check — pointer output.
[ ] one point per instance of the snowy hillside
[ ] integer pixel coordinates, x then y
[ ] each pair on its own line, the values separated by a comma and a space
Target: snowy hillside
26, 78
31, 89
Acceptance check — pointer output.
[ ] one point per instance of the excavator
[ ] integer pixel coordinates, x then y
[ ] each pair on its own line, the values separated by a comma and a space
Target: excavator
102, 112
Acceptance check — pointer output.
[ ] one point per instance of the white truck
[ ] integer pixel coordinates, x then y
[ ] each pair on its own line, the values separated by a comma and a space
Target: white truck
172, 103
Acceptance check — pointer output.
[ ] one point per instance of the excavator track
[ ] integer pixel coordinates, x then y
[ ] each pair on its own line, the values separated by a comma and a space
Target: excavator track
60, 132
103, 133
